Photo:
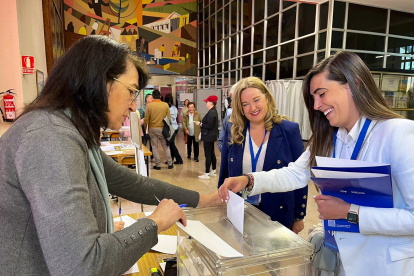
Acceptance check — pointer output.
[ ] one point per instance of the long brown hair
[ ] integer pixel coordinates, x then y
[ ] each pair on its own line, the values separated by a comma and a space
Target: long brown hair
78, 82
345, 68
237, 117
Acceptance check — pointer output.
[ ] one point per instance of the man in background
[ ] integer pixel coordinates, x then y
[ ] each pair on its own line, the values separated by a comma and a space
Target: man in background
154, 119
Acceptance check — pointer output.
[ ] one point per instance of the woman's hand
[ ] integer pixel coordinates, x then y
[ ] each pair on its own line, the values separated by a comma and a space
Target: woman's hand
235, 184
186, 131
118, 225
330, 207
167, 214
197, 123
212, 199
298, 226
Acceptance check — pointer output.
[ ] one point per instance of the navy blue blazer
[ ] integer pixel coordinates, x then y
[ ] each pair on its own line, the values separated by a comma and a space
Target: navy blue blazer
284, 146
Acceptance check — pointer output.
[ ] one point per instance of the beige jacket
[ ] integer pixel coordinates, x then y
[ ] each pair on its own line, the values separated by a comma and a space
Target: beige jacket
197, 129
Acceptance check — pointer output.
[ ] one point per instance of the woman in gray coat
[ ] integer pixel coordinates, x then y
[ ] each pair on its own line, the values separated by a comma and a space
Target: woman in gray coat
55, 213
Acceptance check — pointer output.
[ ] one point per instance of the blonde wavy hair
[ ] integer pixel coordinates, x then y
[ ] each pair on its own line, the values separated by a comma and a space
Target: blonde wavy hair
237, 116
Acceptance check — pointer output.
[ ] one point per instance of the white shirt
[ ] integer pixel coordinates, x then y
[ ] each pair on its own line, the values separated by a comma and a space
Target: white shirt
190, 124
247, 160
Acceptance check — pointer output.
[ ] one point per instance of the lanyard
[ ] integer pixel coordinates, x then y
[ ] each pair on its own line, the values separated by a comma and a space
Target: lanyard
359, 142
255, 158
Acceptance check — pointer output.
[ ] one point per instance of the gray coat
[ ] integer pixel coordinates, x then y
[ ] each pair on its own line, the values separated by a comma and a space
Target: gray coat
52, 215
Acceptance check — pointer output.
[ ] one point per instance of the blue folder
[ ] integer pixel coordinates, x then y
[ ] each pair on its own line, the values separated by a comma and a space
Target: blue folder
372, 192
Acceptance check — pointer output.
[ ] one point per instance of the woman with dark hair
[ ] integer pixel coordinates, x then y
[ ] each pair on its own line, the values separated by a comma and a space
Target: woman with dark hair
209, 133
258, 138
56, 218
342, 99
174, 113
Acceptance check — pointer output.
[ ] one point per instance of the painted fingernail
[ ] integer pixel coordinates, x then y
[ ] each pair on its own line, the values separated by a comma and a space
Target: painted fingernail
227, 197
221, 200
314, 196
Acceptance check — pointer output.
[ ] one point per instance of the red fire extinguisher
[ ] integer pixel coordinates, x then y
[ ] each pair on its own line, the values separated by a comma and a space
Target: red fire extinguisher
9, 106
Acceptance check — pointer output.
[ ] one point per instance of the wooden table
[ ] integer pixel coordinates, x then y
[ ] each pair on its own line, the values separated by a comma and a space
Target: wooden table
150, 258
131, 152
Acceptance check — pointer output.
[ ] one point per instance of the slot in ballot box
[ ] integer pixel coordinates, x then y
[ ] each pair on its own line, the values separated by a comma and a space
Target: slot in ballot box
268, 247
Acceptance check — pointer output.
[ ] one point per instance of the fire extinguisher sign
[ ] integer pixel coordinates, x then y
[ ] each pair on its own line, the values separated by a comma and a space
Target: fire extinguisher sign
28, 65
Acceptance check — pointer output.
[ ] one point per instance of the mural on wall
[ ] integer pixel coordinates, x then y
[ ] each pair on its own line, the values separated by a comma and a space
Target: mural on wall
163, 32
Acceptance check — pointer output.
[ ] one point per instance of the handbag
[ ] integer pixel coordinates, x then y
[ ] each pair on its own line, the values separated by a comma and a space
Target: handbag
322, 257
167, 130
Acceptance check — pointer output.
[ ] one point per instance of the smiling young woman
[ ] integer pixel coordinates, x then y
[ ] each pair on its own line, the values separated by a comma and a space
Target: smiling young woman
342, 97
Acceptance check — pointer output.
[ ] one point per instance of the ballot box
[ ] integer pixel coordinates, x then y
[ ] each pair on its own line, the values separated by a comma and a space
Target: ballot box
267, 247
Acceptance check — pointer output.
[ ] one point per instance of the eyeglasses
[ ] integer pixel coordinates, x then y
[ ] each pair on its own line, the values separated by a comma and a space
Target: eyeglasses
134, 91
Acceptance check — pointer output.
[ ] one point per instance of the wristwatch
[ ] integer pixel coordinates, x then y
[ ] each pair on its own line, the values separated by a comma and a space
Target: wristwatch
353, 214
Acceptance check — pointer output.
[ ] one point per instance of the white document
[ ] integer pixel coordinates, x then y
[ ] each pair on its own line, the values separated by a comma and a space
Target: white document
114, 152
235, 211
344, 175
107, 148
162, 266
205, 236
142, 166
127, 220
133, 269
344, 163
167, 244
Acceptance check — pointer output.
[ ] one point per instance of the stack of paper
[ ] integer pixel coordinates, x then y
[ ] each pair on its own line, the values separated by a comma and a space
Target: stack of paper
358, 182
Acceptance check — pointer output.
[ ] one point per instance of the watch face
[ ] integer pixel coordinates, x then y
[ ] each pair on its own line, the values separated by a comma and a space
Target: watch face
352, 218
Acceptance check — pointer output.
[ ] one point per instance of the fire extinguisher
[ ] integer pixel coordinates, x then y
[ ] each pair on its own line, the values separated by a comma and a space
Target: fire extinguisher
9, 106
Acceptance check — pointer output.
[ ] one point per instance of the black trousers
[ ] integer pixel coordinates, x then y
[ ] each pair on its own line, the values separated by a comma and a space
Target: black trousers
174, 151
192, 140
210, 156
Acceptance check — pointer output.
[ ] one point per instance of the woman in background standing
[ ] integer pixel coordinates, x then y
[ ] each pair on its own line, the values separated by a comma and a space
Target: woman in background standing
174, 113
184, 111
209, 133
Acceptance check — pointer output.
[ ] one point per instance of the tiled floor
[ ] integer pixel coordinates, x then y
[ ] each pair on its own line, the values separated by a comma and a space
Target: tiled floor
186, 176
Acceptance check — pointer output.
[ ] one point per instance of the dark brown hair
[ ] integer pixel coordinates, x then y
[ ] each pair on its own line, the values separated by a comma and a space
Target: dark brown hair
345, 68
78, 82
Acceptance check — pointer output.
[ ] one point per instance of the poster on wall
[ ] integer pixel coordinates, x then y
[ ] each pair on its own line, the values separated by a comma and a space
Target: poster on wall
164, 33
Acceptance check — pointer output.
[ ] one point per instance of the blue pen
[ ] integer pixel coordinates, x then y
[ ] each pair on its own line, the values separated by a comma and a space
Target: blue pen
181, 206
119, 201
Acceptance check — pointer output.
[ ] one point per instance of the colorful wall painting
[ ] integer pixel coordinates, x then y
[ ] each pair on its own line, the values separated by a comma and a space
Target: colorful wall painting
163, 32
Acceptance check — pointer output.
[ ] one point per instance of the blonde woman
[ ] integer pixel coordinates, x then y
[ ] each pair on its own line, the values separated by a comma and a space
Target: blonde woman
259, 139
341, 97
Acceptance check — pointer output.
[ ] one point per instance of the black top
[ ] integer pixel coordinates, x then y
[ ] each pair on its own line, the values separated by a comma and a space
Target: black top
209, 127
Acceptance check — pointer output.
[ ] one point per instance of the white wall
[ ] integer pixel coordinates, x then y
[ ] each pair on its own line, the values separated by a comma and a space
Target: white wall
32, 42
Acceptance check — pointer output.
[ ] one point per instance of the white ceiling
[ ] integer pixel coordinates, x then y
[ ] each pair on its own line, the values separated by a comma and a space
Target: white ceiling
398, 5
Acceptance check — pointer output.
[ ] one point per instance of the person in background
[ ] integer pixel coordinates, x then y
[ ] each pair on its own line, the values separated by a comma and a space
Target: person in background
226, 119
259, 139
184, 110
209, 133
174, 113
342, 99
148, 99
192, 130
223, 130
56, 218
154, 119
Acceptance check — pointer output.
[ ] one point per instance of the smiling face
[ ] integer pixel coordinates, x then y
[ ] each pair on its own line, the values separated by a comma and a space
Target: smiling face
254, 105
335, 101
120, 96
191, 108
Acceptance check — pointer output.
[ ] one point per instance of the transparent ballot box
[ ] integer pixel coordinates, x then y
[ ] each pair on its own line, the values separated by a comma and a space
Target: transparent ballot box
269, 248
